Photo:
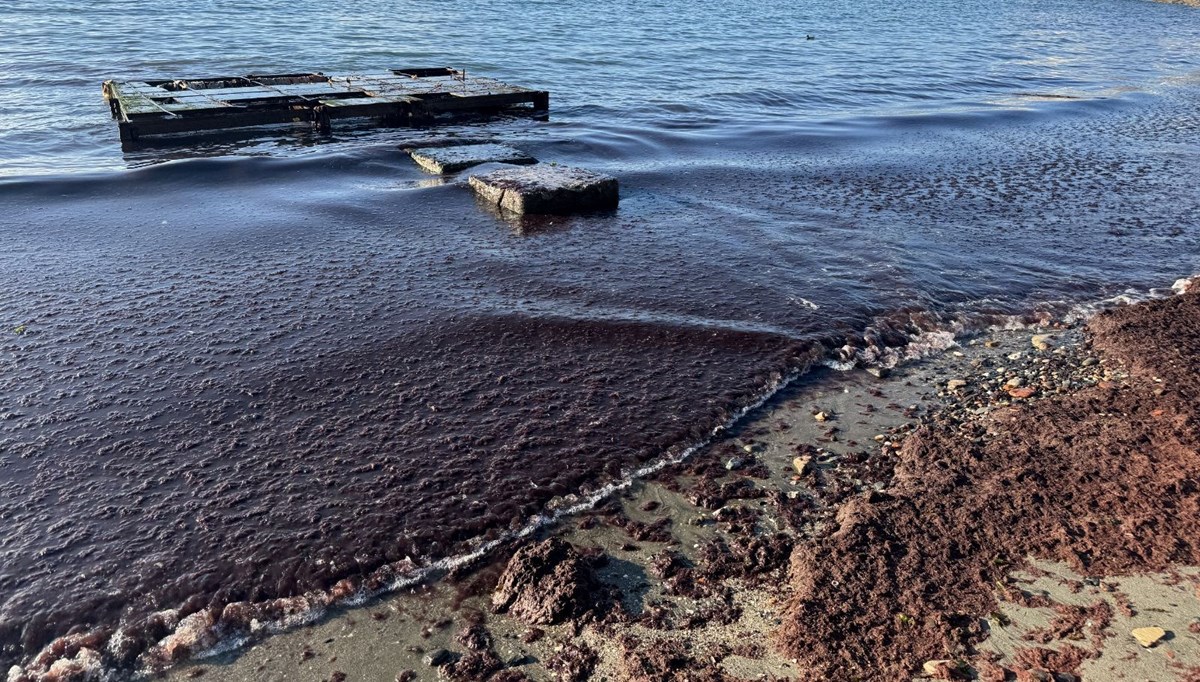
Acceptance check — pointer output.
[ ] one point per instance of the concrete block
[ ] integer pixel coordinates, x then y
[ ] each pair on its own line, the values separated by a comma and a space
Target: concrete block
455, 158
546, 189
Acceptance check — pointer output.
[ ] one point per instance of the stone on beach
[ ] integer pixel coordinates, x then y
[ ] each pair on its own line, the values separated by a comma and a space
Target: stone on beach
546, 189
1148, 637
437, 658
801, 464
451, 159
938, 669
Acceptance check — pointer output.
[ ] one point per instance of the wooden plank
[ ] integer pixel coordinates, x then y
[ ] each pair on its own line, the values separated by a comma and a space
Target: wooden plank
404, 87
459, 103
396, 109
132, 130
132, 102
427, 72
179, 107
358, 101
256, 92
142, 88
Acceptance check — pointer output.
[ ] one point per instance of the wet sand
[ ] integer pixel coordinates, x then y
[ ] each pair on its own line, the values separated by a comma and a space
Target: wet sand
694, 579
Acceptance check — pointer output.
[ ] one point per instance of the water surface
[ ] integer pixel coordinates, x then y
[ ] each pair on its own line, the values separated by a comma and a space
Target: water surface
244, 370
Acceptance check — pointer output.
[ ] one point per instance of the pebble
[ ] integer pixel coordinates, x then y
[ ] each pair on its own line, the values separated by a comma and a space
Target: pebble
1041, 342
936, 667
821, 417
880, 372
955, 384
1148, 637
1014, 382
436, 658
734, 464
801, 464
1021, 393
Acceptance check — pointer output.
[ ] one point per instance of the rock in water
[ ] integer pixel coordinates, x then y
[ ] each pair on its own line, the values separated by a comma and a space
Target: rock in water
546, 583
452, 159
546, 189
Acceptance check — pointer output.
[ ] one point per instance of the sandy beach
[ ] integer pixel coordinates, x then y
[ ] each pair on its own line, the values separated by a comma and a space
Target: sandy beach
1021, 506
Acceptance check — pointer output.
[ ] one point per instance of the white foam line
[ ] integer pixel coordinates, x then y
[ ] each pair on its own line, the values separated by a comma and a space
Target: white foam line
924, 344
589, 501
535, 524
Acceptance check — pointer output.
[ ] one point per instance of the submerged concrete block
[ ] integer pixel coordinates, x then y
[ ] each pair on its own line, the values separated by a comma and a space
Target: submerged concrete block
457, 157
546, 189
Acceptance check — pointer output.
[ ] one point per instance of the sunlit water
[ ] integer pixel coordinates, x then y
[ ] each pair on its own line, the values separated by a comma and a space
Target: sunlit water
239, 370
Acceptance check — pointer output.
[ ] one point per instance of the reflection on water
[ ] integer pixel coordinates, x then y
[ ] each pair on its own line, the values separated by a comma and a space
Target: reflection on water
674, 65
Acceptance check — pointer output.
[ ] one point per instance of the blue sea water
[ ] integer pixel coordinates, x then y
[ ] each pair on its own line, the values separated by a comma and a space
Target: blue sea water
717, 68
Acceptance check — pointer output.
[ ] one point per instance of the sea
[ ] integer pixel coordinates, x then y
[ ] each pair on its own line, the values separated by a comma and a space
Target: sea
285, 369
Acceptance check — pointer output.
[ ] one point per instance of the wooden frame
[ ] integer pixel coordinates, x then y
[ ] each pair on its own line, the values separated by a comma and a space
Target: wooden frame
398, 97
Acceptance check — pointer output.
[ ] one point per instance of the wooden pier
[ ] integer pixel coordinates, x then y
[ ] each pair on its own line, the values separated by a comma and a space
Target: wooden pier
399, 97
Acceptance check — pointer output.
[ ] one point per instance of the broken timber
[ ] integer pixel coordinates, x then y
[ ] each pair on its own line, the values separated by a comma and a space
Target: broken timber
399, 97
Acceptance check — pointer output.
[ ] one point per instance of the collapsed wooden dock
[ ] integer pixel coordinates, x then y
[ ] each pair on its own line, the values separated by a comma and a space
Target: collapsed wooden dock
399, 97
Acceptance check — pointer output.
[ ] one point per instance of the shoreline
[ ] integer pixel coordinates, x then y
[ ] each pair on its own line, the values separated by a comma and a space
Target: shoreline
649, 548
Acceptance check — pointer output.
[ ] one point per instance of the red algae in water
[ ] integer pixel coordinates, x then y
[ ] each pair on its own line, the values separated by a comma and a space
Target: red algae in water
429, 433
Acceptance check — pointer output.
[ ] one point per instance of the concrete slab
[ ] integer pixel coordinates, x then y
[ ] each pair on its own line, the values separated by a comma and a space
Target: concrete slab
429, 138
454, 158
546, 189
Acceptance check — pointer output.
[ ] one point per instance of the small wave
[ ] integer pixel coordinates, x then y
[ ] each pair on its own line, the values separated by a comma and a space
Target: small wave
201, 636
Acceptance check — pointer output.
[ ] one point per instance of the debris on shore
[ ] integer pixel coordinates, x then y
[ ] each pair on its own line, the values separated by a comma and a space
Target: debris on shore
1101, 478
